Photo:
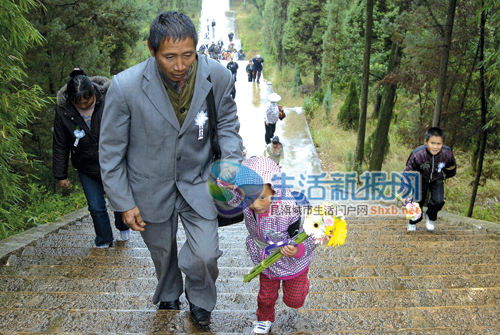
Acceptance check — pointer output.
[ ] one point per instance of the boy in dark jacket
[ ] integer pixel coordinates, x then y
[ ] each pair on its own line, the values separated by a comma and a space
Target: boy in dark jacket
233, 67
435, 162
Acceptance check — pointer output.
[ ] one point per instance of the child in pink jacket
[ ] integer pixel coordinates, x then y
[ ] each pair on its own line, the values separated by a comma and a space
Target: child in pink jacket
273, 217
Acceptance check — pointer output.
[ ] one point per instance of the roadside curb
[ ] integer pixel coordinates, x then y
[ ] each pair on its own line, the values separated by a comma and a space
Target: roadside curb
18, 241
457, 220
464, 221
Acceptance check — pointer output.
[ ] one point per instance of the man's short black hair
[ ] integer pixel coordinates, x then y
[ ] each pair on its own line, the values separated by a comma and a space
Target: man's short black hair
172, 24
434, 131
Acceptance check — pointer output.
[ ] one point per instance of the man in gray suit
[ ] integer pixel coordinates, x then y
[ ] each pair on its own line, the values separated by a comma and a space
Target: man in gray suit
155, 155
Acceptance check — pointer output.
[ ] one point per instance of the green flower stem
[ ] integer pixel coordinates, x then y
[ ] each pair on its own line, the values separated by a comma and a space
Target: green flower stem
301, 237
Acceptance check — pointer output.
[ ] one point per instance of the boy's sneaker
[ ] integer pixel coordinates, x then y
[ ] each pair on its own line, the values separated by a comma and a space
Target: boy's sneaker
429, 224
411, 227
125, 235
103, 246
262, 327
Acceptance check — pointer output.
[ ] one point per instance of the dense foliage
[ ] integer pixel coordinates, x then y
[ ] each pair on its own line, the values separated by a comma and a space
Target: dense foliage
42, 41
333, 48
349, 112
19, 105
302, 37
413, 37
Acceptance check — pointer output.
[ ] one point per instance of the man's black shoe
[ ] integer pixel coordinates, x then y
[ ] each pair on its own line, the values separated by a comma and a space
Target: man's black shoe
200, 315
172, 305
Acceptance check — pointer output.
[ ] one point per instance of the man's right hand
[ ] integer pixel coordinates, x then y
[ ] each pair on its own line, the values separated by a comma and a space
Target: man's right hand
63, 183
133, 219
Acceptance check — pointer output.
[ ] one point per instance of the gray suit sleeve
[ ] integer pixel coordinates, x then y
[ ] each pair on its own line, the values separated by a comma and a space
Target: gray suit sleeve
228, 124
113, 144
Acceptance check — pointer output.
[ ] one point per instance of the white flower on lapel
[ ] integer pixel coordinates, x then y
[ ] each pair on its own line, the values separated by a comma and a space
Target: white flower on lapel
79, 133
200, 120
441, 165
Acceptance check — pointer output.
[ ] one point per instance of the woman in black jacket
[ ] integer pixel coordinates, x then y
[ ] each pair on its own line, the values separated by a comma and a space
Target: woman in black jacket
76, 132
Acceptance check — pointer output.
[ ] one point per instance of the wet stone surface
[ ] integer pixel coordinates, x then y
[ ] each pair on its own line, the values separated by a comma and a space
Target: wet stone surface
388, 283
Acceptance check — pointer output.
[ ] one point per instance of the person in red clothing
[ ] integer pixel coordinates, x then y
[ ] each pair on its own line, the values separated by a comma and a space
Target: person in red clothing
273, 218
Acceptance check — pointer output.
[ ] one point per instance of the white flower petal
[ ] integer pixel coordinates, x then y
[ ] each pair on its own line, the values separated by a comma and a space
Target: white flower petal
201, 118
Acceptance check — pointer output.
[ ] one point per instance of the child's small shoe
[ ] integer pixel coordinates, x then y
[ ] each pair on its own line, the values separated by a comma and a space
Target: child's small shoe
411, 227
429, 224
262, 327
124, 235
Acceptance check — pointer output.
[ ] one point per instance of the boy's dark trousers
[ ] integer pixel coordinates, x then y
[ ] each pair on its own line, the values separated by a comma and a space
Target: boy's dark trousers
436, 201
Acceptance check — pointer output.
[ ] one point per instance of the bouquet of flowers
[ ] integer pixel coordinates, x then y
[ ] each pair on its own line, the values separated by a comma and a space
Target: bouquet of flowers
413, 211
324, 223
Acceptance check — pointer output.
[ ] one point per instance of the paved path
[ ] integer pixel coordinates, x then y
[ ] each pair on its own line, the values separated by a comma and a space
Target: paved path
382, 280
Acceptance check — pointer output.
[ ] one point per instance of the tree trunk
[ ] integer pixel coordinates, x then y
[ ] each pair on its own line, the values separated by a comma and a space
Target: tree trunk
475, 153
447, 97
461, 108
279, 46
388, 100
317, 80
484, 110
259, 6
378, 102
443, 65
360, 145
280, 59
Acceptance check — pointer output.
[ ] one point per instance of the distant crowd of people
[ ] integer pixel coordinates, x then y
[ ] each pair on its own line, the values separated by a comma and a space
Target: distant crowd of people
218, 52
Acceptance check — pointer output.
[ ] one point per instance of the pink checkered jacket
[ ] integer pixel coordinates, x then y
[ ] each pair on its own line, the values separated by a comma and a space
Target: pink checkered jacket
274, 225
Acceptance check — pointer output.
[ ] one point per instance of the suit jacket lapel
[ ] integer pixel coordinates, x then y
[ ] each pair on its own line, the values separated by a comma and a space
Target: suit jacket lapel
154, 89
201, 88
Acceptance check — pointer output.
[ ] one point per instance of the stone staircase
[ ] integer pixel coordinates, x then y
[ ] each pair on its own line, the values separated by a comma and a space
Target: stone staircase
382, 281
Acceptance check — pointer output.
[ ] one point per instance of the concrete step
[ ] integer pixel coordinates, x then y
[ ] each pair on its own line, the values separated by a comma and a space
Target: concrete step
137, 243
315, 271
227, 285
383, 280
324, 257
403, 270
381, 228
404, 238
88, 300
86, 226
415, 319
344, 251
